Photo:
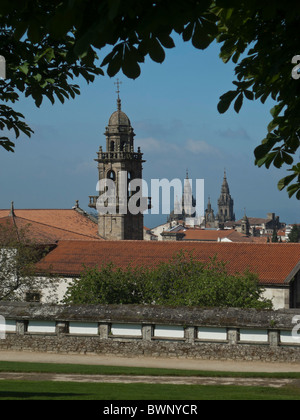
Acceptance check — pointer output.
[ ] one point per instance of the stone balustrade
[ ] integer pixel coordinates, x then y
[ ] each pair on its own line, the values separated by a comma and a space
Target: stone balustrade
136, 331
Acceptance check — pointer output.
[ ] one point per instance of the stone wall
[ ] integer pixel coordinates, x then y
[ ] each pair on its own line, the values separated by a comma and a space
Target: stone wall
135, 331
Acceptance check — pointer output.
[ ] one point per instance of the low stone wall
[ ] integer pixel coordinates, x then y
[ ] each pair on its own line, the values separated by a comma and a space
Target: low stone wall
135, 331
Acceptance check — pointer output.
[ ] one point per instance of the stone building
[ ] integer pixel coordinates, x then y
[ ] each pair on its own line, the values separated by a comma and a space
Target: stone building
225, 203
225, 208
258, 226
121, 164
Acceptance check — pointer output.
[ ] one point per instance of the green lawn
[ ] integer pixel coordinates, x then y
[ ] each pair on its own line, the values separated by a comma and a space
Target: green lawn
44, 390
119, 370
24, 390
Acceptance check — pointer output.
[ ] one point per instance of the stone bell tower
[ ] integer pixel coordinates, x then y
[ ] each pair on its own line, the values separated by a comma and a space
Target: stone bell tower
225, 203
119, 161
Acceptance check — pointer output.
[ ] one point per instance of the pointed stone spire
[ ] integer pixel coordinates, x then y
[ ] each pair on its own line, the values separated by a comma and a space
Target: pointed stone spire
225, 187
209, 204
189, 202
225, 203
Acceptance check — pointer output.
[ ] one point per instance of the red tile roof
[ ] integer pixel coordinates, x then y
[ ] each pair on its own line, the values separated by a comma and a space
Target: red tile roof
215, 235
49, 226
206, 234
274, 263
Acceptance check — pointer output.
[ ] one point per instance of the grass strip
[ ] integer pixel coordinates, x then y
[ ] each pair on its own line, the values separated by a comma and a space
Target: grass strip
7, 366
24, 390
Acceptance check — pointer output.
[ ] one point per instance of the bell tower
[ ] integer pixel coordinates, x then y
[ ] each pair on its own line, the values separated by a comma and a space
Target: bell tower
120, 164
225, 203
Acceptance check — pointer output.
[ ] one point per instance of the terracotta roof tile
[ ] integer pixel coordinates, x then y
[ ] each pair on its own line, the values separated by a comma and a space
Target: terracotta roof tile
206, 234
49, 226
215, 235
274, 263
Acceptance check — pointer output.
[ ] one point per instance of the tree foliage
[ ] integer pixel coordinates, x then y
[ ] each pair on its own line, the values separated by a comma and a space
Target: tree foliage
48, 43
261, 38
18, 256
294, 235
38, 64
182, 281
274, 236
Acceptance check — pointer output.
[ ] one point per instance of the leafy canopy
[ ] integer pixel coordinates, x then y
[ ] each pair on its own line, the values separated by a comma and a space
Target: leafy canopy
48, 43
294, 235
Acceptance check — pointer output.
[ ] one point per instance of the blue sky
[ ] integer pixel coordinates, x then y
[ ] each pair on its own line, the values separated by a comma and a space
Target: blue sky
173, 110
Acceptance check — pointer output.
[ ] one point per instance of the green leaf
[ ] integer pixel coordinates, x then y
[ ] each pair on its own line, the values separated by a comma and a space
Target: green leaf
7, 144
156, 51
238, 103
115, 64
201, 40
24, 68
275, 111
267, 144
288, 159
38, 99
166, 41
225, 101
82, 45
130, 67
188, 32
278, 161
294, 189
286, 181
108, 58
266, 160
249, 95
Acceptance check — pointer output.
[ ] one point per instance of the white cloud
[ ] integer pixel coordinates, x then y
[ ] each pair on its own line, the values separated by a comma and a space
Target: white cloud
200, 147
151, 144
240, 134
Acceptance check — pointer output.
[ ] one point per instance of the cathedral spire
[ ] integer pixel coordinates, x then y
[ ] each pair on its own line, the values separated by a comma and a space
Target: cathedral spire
225, 203
225, 186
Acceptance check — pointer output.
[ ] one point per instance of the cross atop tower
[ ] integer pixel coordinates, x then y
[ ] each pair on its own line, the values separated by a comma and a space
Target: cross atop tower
118, 83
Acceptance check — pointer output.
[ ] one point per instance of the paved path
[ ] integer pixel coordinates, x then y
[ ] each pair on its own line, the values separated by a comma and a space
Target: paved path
128, 379
186, 364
